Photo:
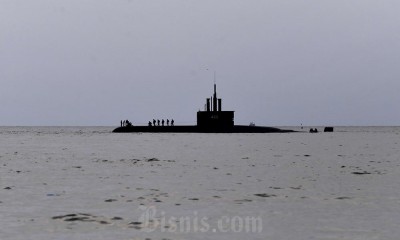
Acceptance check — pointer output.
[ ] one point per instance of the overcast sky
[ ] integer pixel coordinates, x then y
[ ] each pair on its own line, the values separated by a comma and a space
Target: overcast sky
277, 62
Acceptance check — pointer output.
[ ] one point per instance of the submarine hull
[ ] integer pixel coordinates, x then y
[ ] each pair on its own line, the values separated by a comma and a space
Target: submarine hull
212, 120
197, 129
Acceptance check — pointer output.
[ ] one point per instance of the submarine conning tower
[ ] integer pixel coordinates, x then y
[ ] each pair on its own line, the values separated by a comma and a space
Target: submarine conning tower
213, 116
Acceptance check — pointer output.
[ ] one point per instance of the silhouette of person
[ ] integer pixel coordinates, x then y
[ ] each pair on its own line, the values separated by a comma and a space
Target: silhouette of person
154, 122
172, 122
121, 123
158, 122
167, 122
149, 124
162, 122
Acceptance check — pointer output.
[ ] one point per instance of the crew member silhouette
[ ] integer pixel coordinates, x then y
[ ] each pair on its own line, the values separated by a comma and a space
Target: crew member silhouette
162, 122
158, 122
172, 122
167, 122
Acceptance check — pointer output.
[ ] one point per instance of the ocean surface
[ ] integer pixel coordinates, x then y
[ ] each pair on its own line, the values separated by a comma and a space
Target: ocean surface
89, 183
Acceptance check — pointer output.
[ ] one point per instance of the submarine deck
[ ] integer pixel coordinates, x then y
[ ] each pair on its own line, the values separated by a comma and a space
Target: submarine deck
196, 129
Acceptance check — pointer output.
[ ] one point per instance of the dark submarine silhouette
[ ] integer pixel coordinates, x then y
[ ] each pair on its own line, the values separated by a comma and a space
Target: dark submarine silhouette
211, 120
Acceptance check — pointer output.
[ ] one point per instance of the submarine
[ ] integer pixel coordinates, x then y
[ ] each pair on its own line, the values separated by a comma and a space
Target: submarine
211, 120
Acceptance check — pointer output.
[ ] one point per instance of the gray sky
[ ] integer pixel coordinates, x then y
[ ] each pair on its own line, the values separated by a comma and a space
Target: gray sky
95, 62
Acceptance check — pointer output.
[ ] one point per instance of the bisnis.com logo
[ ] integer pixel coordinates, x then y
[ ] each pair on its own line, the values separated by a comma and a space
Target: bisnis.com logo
152, 220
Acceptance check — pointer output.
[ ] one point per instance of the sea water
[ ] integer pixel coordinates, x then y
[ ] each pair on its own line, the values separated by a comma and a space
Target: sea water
89, 183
